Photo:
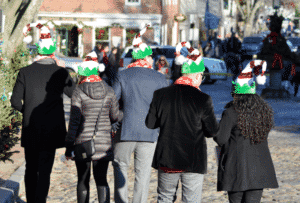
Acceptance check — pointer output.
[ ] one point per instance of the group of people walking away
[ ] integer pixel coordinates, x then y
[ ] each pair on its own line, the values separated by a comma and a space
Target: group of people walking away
164, 126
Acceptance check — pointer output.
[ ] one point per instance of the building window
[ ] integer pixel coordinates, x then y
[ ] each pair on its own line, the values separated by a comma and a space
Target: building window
226, 4
132, 2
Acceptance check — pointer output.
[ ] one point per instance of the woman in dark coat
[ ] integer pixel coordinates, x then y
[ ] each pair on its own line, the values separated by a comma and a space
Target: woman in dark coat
245, 165
88, 98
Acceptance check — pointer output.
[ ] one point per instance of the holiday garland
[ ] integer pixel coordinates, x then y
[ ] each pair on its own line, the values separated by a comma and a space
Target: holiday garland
80, 25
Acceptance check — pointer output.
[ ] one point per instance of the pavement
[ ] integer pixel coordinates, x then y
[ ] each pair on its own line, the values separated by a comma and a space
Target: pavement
284, 141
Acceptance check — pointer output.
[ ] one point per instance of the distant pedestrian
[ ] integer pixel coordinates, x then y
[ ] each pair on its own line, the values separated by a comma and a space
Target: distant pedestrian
38, 94
233, 57
113, 66
103, 58
93, 105
245, 164
185, 117
135, 87
163, 67
98, 49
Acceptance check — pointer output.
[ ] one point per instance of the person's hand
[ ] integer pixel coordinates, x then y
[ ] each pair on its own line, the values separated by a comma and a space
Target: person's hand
68, 153
115, 126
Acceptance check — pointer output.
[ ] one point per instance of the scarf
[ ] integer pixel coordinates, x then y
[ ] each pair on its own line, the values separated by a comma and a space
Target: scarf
105, 58
140, 63
92, 78
184, 80
160, 66
272, 36
52, 56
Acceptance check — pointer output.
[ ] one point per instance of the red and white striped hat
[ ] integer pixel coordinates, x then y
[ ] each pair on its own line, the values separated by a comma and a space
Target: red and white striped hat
193, 62
46, 44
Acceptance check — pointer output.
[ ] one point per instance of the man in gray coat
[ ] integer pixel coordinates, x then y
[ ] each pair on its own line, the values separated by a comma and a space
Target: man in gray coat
135, 87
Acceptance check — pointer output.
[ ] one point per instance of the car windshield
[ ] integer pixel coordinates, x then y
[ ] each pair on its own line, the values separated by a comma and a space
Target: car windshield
294, 40
167, 52
252, 40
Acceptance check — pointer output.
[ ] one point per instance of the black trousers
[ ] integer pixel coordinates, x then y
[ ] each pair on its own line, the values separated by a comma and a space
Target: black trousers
83, 185
37, 174
249, 196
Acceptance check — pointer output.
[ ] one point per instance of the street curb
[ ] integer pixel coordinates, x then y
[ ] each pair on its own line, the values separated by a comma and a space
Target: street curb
11, 189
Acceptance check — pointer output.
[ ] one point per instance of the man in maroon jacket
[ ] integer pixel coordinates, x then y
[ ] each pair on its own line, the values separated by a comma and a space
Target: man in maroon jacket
185, 117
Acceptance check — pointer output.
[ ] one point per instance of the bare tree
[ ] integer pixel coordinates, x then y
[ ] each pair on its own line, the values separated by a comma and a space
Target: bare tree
18, 13
249, 8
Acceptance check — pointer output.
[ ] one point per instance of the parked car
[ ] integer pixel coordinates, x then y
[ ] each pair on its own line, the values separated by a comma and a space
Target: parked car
295, 44
211, 65
252, 45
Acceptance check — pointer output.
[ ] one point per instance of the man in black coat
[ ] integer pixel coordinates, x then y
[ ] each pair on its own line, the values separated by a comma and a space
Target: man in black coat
38, 94
185, 117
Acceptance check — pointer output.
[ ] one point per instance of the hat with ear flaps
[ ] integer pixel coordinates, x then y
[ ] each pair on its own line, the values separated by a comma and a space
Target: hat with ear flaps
193, 63
90, 65
140, 49
244, 83
46, 44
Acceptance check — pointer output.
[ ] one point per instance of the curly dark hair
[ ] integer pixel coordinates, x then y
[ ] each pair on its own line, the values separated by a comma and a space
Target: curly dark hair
255, 116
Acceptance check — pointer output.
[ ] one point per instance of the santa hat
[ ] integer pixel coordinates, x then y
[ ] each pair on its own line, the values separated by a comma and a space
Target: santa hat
90, 65
141, 50
244, 83
193, 63
46, 44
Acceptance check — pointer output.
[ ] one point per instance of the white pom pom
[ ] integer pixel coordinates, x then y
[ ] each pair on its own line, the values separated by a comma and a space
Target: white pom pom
261, 80
143, 46
27, 39
180, 60
101, 67
187, 45
50, 25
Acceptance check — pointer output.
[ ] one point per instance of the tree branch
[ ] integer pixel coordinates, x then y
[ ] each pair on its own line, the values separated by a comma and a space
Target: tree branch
240, 9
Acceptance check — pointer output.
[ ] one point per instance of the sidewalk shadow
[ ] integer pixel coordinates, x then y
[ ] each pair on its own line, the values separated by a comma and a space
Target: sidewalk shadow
288, 129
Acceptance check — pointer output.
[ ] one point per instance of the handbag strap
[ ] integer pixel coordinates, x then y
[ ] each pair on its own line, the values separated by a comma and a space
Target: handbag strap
96, 127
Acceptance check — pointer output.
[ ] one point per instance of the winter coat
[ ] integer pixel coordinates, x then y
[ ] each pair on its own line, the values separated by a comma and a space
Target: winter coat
86, 104
243, 166
41, 86
185, 117
135, 87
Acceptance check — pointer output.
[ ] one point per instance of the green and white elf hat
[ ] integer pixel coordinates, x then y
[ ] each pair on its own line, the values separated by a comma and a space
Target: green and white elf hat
140, 49
90, 65
193, 63
46, 44
245, 83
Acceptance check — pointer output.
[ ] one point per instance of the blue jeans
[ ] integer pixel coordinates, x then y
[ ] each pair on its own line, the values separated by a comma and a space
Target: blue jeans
168, 184
143, 156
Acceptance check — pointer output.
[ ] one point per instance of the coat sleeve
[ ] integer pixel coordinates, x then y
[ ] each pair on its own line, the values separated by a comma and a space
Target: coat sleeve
115, 114
18, 92
69, 85
117, 88
210, 124
75, 118
151, 118
224, 131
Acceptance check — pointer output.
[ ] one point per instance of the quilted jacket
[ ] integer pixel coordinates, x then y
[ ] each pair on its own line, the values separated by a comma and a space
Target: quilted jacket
86, 103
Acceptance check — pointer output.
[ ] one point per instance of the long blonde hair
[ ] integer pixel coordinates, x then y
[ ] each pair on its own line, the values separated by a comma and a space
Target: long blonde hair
165, 59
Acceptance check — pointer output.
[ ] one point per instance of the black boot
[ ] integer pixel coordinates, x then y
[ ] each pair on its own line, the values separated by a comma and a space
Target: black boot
83, 196
103, 194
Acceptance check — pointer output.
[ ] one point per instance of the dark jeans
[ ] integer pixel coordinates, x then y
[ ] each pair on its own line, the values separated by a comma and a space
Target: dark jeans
249, 196
37, 174
84, 173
